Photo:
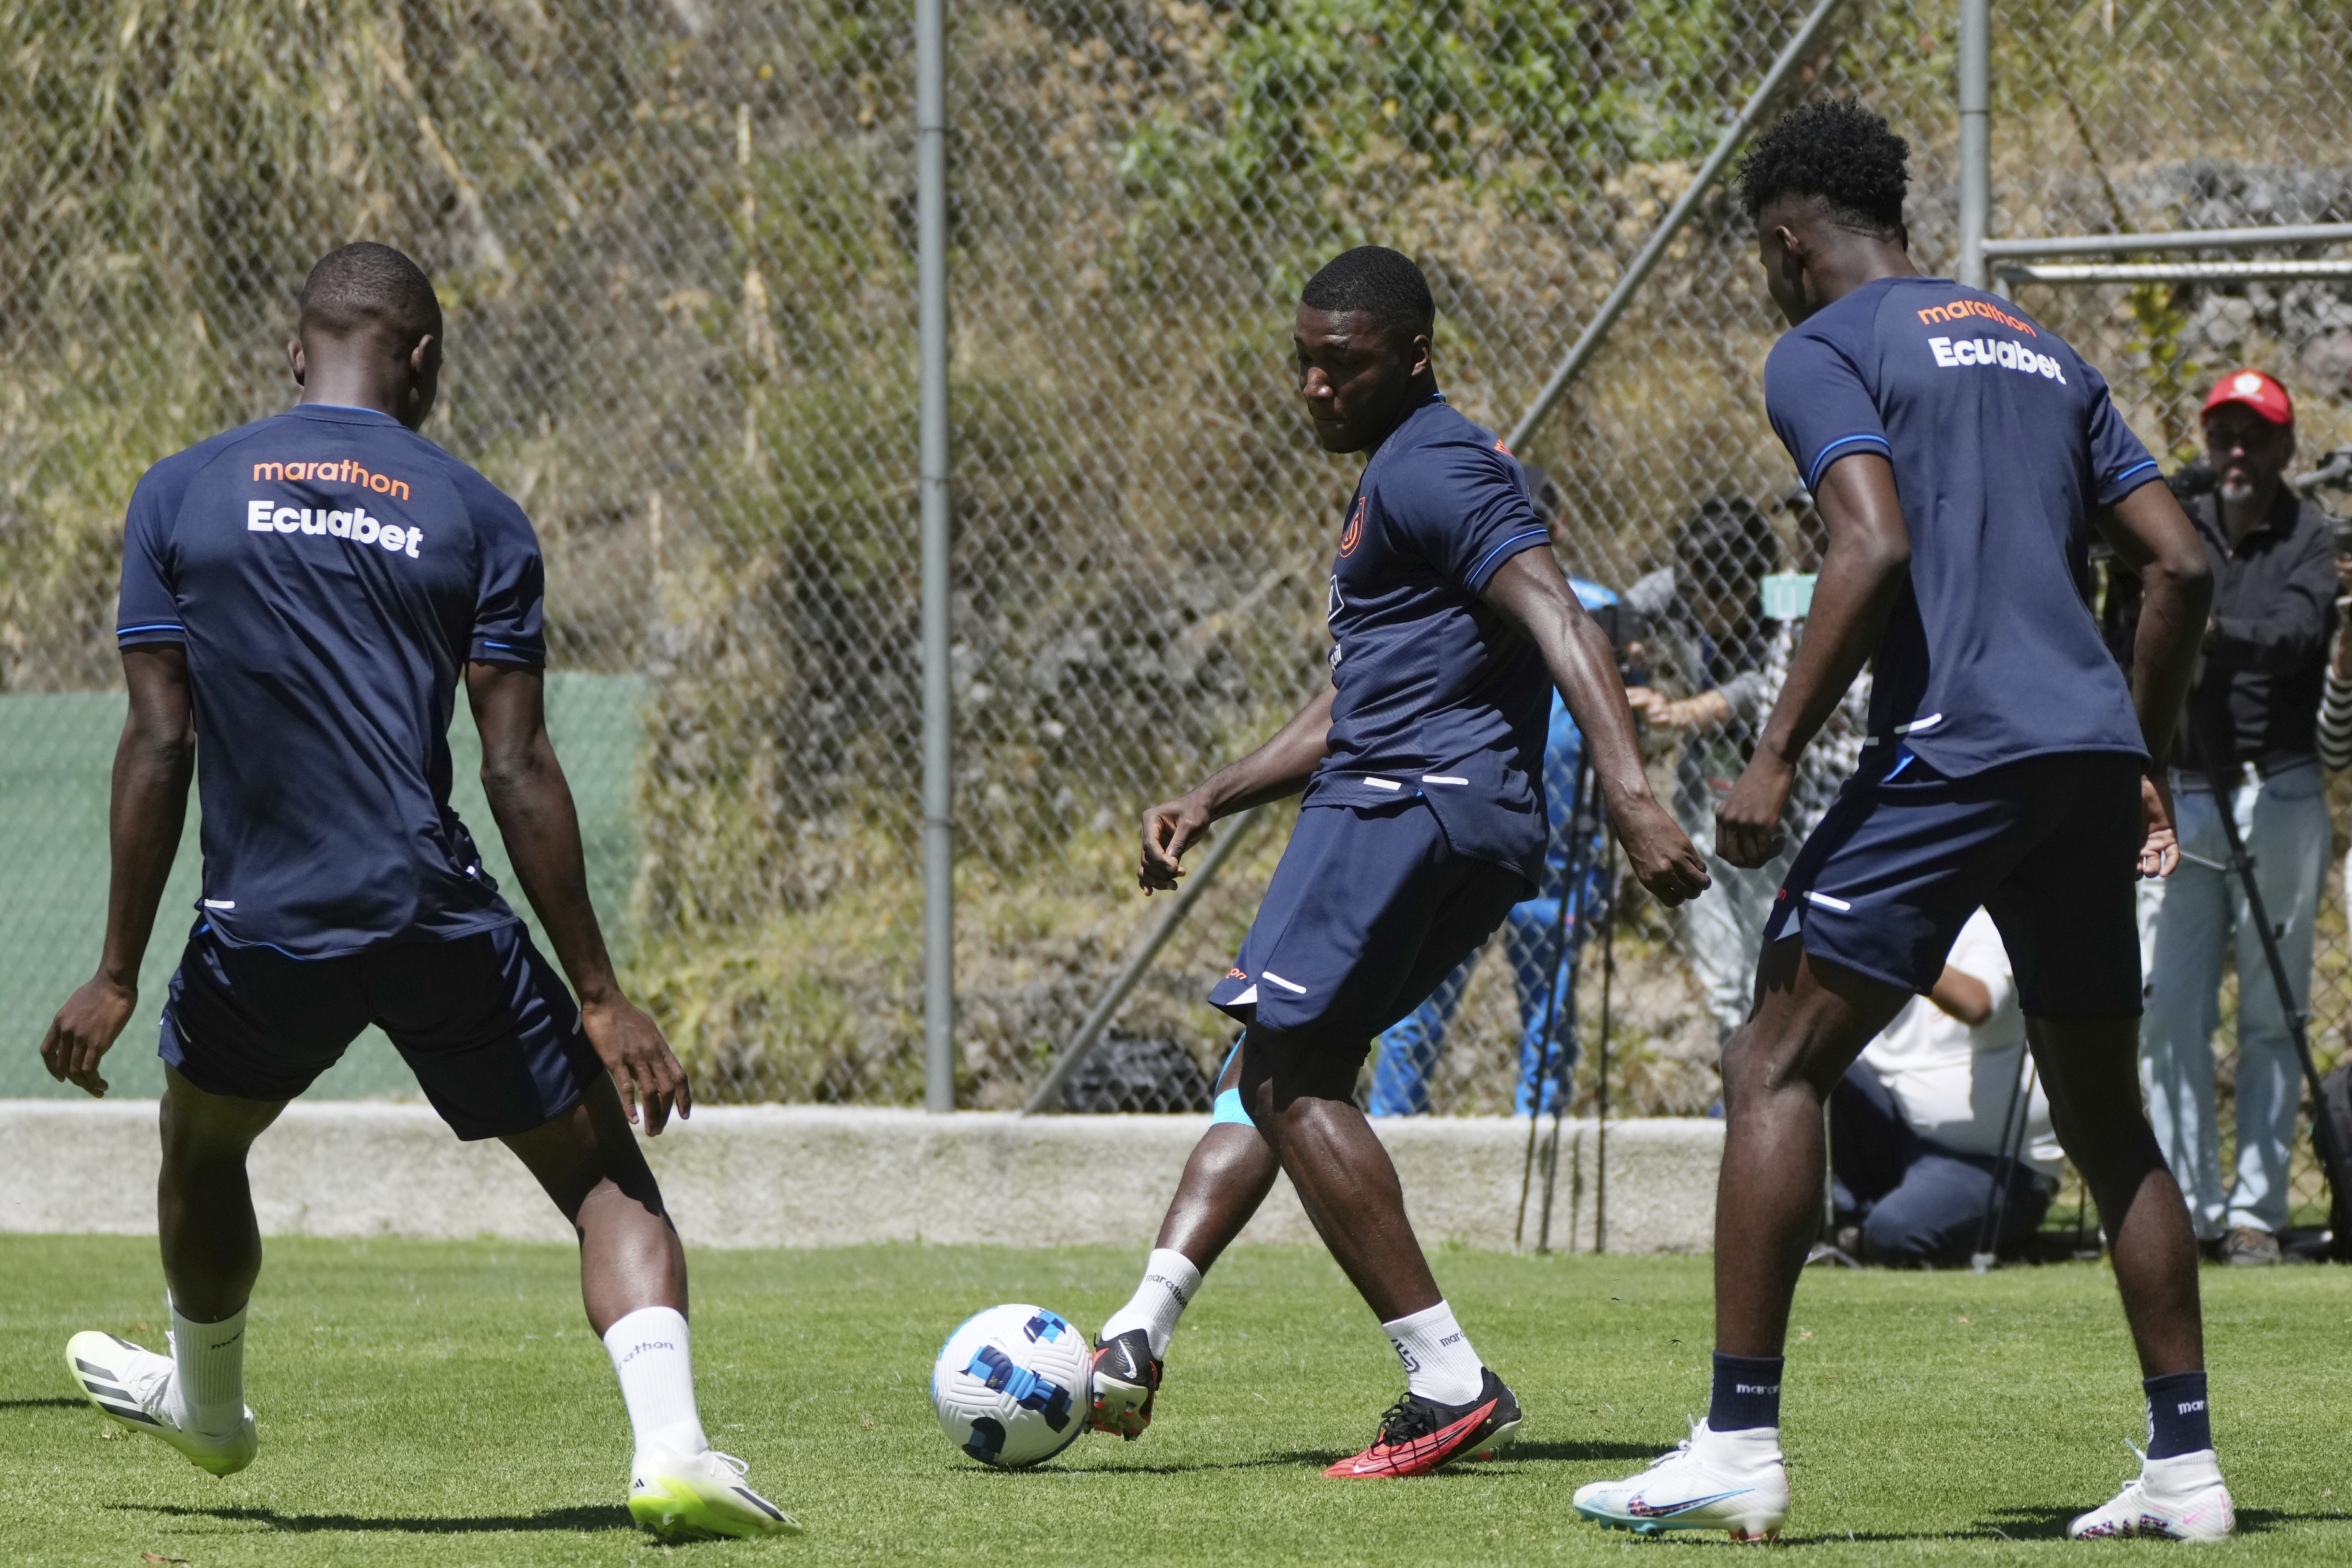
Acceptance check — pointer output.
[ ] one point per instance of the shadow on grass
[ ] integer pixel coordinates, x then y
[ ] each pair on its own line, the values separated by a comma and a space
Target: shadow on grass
579, 1519
44, 1404
1583, 1451
2048, 1524
1323, 1459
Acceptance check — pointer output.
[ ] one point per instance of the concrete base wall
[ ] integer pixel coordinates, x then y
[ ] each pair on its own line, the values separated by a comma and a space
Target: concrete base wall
775, 1175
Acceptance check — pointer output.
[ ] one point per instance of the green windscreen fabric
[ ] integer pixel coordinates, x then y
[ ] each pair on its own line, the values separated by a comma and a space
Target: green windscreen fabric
57, 755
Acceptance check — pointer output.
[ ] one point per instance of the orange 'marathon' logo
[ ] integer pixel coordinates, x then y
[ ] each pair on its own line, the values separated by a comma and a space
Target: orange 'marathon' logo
340, 471
1960, 309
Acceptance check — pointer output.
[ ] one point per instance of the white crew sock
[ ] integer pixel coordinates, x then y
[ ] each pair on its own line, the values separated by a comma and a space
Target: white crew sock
209, 1375
657, 1373
1438, 1361
1168, 1284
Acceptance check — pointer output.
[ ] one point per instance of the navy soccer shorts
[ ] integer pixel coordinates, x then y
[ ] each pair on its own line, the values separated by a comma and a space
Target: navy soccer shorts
484, 1022
1368, 910
2048, 846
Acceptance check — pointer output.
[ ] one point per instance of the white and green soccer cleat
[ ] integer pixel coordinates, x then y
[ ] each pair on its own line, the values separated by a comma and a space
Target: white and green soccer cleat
700, 1497
1732, 1481
132, 1386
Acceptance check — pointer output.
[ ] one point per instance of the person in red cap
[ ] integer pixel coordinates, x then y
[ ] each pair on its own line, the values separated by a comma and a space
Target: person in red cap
2251, 732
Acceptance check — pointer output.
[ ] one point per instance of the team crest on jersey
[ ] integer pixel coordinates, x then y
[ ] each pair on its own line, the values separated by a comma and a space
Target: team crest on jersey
1353, 534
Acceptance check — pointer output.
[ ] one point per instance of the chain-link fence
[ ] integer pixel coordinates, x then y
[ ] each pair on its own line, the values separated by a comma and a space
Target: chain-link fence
677, 244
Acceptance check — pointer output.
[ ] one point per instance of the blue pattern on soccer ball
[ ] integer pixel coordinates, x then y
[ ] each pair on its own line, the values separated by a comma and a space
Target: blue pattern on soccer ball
1048, 1326
986, 1443
1020, 1384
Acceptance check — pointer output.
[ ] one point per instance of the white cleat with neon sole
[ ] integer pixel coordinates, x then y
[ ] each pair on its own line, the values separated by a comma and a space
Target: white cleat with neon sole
2179, 1498
700, 1497
132, 1386
1732, 1481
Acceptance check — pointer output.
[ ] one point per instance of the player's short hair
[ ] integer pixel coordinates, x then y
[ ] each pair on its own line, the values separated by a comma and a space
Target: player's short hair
1836, 149
1381, 283
365, 284
1726, 547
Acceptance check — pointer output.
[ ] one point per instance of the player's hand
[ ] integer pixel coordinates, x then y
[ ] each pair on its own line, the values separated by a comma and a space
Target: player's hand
85, 1028
1169, 829
643, 1068
2159, 848
1748, 825
1665, 860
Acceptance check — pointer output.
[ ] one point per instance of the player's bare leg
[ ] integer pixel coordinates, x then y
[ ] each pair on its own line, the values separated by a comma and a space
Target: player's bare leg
204, 1202
1226, 1177
193, 1399
1812, 1019
1304, 1098
2091, 1066
632, 1283
588, 1162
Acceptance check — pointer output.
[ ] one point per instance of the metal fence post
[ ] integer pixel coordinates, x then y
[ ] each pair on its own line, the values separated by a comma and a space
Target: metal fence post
1976, 137
1629, 282
938, 844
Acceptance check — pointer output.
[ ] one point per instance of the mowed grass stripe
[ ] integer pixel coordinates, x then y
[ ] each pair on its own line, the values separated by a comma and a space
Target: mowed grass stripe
444, 1403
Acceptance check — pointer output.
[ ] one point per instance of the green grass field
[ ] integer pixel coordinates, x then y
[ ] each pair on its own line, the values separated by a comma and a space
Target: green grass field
444, 1403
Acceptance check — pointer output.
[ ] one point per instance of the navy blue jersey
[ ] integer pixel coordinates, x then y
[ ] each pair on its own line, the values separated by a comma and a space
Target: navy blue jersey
329, 573
1438, 695
2003, 443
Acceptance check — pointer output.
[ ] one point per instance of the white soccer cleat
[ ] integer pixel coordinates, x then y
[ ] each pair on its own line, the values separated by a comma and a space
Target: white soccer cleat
700, 1497
1732, 1481
132, 1386
2179, 1498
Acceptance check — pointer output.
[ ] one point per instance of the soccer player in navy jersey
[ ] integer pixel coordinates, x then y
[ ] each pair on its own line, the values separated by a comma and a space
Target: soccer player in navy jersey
302, 599
1422, 824
1961, 455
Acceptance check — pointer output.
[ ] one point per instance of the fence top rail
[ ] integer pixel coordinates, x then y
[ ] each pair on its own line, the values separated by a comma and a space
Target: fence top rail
2176, 272
2171, 239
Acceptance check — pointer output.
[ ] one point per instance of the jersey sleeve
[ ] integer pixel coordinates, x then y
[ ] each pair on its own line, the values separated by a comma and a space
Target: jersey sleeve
510, 586
1464, 509
1819, 404
148, 612
2119, 463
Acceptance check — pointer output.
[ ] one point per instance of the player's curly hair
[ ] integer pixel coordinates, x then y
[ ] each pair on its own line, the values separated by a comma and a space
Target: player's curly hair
1836, 149
365, 284
1382, 283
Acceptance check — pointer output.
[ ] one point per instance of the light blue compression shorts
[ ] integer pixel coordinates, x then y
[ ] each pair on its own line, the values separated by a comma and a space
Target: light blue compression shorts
1228, 1103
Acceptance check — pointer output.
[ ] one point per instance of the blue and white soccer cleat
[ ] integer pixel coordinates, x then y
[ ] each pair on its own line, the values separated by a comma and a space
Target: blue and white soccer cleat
700, 1497
1731, 1481
132, 1386
2179, 1498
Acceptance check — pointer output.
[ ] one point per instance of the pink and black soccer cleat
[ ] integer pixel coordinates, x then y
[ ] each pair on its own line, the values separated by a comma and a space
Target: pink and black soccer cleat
1418, 1435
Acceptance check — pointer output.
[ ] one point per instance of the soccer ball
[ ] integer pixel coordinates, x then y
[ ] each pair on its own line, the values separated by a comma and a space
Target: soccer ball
1013, 1386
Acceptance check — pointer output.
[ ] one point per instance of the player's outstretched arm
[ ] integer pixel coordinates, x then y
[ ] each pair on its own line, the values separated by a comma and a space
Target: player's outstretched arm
2155, 539
152, 764
1862, 573
533, 803
1528, 591
1281, 766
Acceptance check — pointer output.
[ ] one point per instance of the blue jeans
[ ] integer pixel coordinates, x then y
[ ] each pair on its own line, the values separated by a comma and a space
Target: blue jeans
1918, 1203
2284, 820
1411, 1049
